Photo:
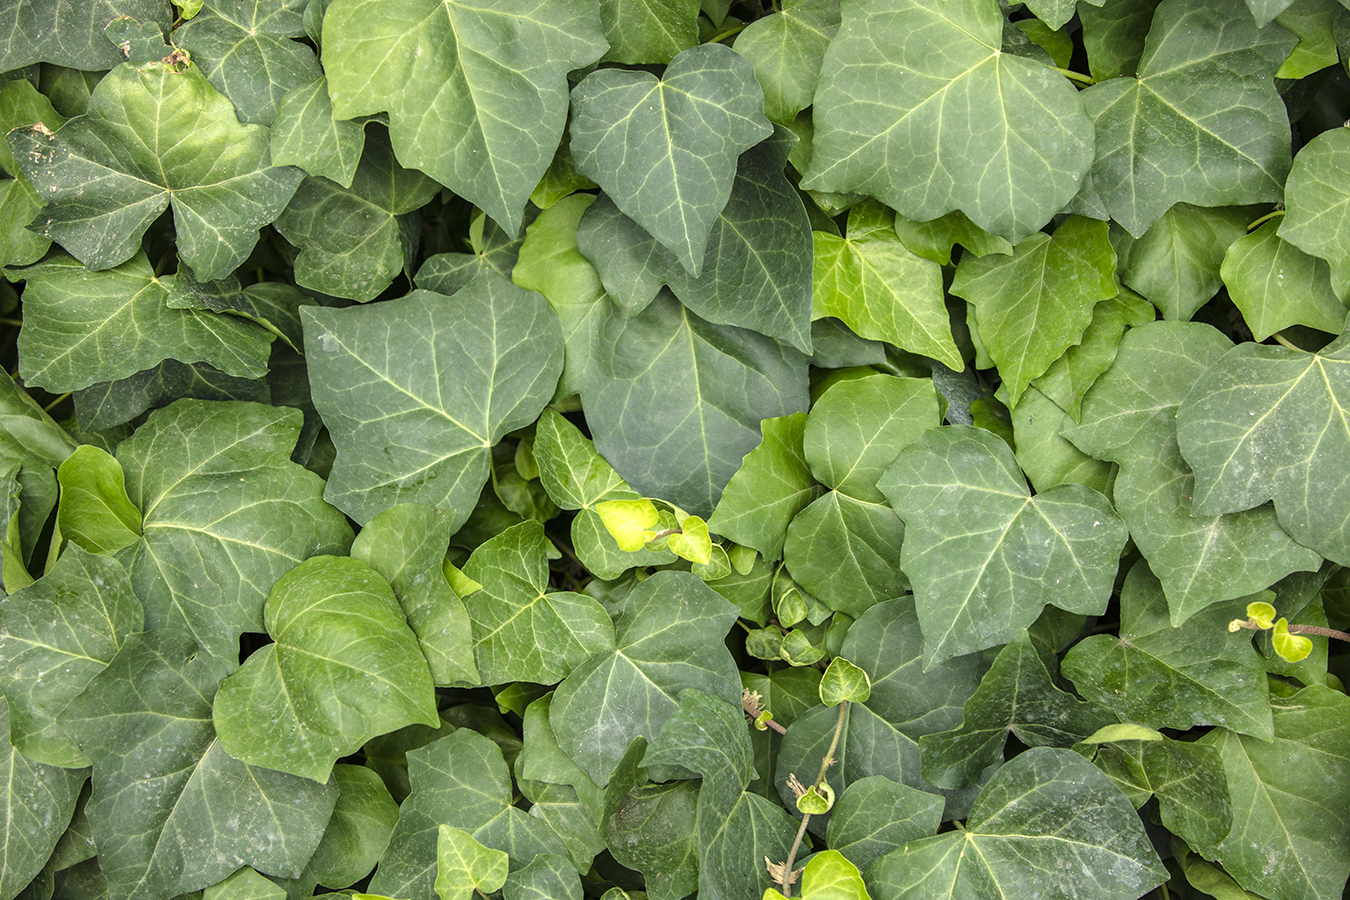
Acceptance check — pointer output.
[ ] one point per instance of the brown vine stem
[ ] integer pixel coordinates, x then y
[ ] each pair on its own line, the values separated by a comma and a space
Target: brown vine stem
825, 763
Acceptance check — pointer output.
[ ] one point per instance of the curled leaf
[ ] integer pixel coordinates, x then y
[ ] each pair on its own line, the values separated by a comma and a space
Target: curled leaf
1293, 647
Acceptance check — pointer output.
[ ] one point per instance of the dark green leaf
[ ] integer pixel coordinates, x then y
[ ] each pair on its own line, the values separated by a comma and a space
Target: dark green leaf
1047, 458
1187, 779
1318, 202
358, 831
111, 403
546, 877
305, 134
1175, 264
1275, 285
1113, 35
787, 48
648, 31
69, 34
650, 827
708, 737
735, 845
876, 815
846, 552
446, 273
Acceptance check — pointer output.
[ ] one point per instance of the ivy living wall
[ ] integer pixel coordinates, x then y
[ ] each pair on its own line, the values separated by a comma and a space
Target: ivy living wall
546, 449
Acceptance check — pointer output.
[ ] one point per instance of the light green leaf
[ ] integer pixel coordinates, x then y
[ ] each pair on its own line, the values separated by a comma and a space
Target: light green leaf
172, 811
244, 48
1275, 285
676, 402
1289, 822
66, 627
493, 75
877, 815
355, 241
1034, 305
1267, 423
977, 582
1318, 204
1047, 821
22, 106
547, 877
1175, 263
1202, 123
831, 876
1016, 696
244, 884
665, 149
757, 267
1163, 676
562, 795
881, 290
94, 511
464, 866
1311, 21
787, 48
648, 31
460, 780
651, 827
70, 34
156, 135
694, 543
305, 134
1291, 648
86, 327
19, 206
1047, 458
521, 631
925, 131
345, 667
660, 648
935, 238
846, 552
844, 682
406, 544
420, 426
1130, 417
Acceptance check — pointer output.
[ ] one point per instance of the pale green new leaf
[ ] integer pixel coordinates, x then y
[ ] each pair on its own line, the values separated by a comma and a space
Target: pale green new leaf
172, 811
846, 552
877, 815
521, 630
1048, 821
665, 149
1202, 123
464, 866
928, 131
355, 241
225, 513
69, 34
1267, 423
416, 391
155, 136
882, 291
1036, 304
494, 76
787, 48
1275, 284
1317, 199
979, 580
305, 134
648, 31
87, 327
406, 544
95, 512
246, 51
660, 648
56, 635
344, 668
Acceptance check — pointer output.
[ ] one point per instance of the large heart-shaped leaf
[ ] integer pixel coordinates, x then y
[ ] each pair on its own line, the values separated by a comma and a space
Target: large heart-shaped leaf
493, 75
1267, 423
344, 668
418, 425
156, 135
225, 513
172, 811
923, 131
665, 149
1181, 130
1048, 821
979, 579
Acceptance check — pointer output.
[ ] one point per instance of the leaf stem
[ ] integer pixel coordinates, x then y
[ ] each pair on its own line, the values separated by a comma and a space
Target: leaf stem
1319, 631
730, 32
48, 408
1285, 342
1273, 214
826, 761
17, 323
1085, 80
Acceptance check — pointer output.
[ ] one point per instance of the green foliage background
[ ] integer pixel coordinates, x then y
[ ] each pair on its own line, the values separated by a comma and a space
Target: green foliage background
439, 432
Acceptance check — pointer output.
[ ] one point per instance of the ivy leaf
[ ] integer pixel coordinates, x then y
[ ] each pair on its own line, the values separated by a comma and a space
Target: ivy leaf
648, 31
706, 736
464, 866
665, 149
210, 480
973, 580
1036, 304
420, 428
877, 815
757, 267
523, 632
446, 273
1275, 285
1317, 220
358, 831
845, 551
921, 131
355, 241
155, 136
1163, 676
172, 811
1180, 111
108, 404
935, 238
305, 134
1293, 815
1175, 263
460, 780
95, 512
66, 626
246, 51
494, 75
734, 846
546, 877
562, 795
1016, 696
787, 49
677, 402
659, 650
1046, 821
70, 34
879, 289
1266, 423
1114, 34
86, 327
1130, 416
651, 827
